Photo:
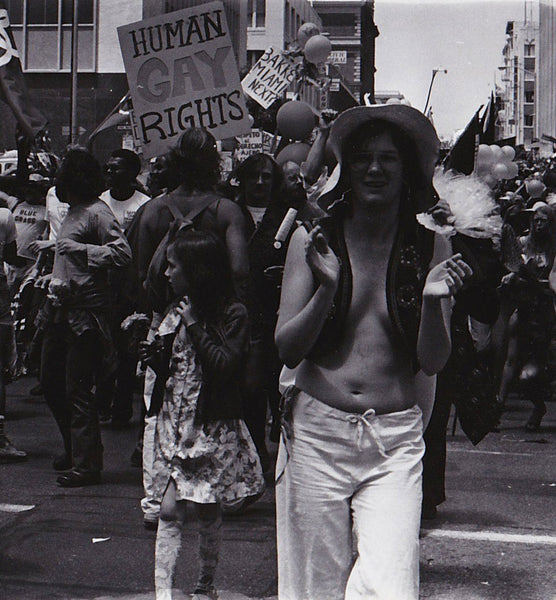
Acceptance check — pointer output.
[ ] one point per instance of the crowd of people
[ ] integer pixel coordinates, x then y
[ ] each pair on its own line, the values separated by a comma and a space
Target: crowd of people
303, 305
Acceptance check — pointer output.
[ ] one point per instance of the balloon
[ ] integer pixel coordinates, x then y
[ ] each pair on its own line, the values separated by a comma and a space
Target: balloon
534, 187
496, 153
306, 31
317, 49
295, 120
251, 120
500, 171
490, 180
296, 152
513, 169
508, 152
482, 170
484, 155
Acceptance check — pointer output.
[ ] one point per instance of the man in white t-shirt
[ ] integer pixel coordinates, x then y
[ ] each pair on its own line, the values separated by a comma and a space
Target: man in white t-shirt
122, 196
115, 393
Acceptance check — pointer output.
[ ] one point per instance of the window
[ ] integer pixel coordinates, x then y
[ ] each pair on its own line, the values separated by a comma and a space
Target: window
529, 50
529, 120
42, 12
15, 11
256, 17
529, 96
43, 29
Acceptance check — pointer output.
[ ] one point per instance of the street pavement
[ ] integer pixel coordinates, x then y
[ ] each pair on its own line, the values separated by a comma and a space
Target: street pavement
494, 539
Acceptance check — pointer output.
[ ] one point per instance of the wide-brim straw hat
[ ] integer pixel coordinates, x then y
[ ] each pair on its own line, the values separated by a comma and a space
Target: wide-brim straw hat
407, 119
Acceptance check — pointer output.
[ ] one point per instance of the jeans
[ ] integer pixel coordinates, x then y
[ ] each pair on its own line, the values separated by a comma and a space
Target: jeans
350, 481
69, 364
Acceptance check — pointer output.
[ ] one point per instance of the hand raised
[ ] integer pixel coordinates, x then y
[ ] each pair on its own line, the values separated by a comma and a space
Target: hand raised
185, 311
321, 259
447, 278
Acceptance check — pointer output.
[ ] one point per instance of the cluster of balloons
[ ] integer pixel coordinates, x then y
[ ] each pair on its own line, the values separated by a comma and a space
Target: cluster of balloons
495, 163
316, 47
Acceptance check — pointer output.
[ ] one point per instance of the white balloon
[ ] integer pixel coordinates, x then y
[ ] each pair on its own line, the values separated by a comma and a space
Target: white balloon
508, 152
513, 170
497, 153
484, 155
500, 171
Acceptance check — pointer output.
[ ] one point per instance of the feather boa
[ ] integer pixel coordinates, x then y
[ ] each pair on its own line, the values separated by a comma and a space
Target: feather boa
474, 210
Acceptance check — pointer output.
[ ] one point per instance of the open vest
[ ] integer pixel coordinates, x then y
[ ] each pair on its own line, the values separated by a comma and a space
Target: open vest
408, 266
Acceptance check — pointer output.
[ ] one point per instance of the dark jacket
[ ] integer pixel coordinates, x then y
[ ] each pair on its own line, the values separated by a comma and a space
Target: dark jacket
221, 349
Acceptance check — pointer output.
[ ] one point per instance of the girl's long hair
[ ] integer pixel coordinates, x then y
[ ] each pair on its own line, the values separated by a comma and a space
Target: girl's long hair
206, 267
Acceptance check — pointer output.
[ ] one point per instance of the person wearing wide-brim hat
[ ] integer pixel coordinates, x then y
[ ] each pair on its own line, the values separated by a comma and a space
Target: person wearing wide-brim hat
362, 319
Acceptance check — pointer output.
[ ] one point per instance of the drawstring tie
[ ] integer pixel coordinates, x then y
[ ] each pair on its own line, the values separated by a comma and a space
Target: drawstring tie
364, 422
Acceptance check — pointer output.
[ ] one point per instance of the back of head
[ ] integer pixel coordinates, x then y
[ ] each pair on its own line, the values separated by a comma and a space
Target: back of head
80, 175
196, 159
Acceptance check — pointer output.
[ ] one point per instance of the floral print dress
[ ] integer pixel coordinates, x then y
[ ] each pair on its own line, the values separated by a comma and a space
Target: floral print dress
209, 462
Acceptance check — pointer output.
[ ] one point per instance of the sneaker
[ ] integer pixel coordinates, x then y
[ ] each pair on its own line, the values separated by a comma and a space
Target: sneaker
104, 416
36, 390
199, 594
8, 452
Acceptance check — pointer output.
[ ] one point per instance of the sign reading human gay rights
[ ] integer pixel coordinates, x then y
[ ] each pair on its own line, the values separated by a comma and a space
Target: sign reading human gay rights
182, 73
270, 77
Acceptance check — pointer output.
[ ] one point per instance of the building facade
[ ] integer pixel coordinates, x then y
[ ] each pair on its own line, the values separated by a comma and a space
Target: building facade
275, 23
43, 34
546, 69
341, 20
520, 82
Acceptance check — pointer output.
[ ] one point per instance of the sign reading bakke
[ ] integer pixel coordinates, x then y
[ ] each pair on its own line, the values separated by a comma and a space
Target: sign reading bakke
182, 73
269, 78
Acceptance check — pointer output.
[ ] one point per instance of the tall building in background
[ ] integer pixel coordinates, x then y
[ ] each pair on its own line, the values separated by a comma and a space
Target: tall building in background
546, 69
236, 17
275, 23
43, 34
341, 21
520, 82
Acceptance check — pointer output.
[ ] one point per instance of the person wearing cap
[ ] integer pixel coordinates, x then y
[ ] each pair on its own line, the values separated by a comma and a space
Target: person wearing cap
364, 320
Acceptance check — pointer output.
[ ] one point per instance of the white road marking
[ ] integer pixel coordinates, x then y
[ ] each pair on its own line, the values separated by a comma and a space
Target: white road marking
498, 453
492, 536
15, 508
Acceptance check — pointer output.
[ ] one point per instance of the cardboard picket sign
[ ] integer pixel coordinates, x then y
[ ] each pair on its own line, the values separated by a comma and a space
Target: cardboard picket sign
257, 140
182, 73
269, 78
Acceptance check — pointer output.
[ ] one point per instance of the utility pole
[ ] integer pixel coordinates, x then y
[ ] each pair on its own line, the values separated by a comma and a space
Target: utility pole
369, 32
74, 68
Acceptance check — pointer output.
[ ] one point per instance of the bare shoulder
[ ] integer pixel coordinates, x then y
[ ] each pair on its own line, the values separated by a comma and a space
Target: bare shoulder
228, 211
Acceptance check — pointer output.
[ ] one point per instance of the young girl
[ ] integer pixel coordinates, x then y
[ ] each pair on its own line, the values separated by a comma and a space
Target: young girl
204, 453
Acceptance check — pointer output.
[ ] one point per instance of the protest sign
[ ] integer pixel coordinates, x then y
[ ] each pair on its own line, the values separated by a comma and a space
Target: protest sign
182, 73
257, 140
269, 78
